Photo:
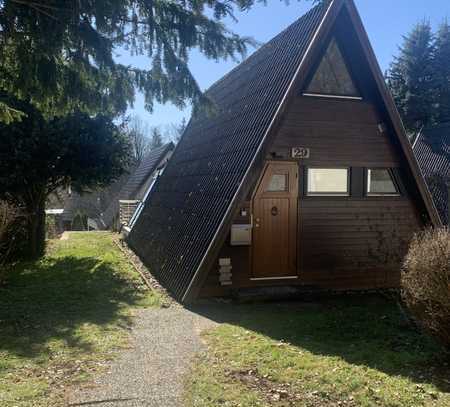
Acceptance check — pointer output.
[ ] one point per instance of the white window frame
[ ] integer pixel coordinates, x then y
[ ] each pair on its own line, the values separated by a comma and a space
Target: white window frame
325, 96
327, 193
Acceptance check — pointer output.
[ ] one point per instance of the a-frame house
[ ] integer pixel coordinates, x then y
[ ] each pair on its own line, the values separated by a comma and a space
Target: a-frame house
302, 176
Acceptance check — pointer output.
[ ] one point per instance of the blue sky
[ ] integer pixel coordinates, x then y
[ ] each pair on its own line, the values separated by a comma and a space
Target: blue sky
385, 21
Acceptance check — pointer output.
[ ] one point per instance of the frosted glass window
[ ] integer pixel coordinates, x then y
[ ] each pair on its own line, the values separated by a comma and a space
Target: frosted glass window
328, 181
278, 183
332, 76
380, 182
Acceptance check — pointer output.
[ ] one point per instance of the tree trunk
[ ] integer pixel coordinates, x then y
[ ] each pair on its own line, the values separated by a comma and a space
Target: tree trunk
36, 229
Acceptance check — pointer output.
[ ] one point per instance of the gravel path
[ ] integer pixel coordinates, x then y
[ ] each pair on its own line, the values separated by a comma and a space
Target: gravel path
151, 372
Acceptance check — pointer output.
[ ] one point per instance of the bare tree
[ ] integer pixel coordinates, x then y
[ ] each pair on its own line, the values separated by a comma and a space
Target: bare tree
139, 134
176, 130
156, 138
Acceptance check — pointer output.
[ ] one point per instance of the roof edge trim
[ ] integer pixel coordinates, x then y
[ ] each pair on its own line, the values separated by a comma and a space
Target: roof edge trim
419, 135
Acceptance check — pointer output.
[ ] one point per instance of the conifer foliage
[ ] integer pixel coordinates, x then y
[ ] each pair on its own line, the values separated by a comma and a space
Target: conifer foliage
38, 156
419, 77
441, 67
61, 53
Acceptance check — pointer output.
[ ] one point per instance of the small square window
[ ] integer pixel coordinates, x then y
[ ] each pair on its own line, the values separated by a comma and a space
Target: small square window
278, 183
381, 182
328, 181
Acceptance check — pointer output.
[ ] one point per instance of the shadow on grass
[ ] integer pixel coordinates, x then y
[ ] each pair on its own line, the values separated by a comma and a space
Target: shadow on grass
363, 331
51, 299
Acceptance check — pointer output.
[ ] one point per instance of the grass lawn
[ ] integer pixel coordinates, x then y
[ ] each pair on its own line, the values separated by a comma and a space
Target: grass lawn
354, 352
63, 317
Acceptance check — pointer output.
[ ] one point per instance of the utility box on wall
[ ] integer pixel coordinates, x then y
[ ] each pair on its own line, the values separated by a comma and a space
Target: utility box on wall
241, 235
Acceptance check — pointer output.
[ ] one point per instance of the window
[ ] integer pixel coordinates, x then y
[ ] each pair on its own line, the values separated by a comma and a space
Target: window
328, 181
332, 76
381, 182
278, 183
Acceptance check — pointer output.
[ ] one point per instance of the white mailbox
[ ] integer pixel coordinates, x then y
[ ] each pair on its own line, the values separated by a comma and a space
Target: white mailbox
241, 235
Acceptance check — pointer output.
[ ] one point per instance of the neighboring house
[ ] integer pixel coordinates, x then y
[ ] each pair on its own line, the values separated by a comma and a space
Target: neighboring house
79, 208
84, 211
137, 187
72, 210
432, 149
301, 179
99, 209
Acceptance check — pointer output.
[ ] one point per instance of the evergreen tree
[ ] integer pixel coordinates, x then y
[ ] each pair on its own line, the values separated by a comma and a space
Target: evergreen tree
441, 72
60, 54
411, 78
39, 156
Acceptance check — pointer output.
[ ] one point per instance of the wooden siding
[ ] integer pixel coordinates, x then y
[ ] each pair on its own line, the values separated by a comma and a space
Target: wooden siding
338, 133
354, 242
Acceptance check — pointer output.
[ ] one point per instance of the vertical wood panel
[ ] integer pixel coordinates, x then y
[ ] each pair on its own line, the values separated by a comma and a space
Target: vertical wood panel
271, 239
275, 224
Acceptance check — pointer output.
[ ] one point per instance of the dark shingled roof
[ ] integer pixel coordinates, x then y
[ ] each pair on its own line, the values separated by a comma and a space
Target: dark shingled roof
432, 149
187, 205
136, 179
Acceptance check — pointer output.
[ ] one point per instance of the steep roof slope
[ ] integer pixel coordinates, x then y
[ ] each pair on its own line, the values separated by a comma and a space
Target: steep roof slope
432, 149
191, 198
136, 179
148, 165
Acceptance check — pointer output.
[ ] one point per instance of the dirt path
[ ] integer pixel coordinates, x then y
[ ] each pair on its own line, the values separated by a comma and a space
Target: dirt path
151, 372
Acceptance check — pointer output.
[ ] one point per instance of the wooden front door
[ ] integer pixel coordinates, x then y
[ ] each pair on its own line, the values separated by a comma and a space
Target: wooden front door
274, 246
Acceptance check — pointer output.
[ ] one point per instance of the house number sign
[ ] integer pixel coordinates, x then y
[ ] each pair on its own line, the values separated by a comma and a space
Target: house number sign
300, 152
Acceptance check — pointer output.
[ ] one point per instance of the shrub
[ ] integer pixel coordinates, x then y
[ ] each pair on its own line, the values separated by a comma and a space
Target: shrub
8, 215
425, 282
12, 221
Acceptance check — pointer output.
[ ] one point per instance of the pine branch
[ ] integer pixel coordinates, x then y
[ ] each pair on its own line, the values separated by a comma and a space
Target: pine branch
37, 7
70, 64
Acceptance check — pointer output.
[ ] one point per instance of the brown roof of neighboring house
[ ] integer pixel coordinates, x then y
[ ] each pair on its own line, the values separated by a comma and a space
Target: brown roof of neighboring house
432, 149
136, 179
